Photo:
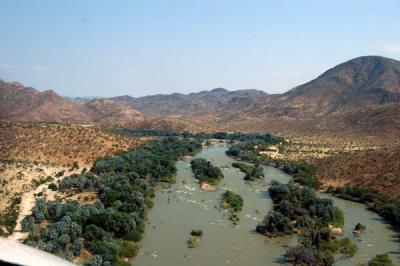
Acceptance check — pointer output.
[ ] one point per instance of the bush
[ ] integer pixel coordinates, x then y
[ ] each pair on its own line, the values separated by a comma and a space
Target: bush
52, 186
28, 224
108, 251
93, 233
193, 241
196, 232
122, 263
381, 260
128, 249
234, 200
134, 236
97, 260
275, 224
76, 247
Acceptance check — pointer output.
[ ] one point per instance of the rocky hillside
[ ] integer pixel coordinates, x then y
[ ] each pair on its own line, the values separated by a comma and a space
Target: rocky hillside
362, 82
359, 98
19, 103
108, 112
27, 104
178, 104
378, 169
59, 143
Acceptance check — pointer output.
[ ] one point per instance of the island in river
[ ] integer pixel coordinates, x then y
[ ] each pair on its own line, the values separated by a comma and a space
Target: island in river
184, 206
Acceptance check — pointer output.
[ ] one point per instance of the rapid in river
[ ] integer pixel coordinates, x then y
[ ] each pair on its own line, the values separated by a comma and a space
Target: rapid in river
184, 206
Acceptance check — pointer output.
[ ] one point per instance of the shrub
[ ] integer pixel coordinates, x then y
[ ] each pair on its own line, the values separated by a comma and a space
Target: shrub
121, 262
134, 236
275, 224
28, 224
97, 260
76, 247
234, 200
128, 249
381, 260
52, 186
93, 232
196, 232
108, 251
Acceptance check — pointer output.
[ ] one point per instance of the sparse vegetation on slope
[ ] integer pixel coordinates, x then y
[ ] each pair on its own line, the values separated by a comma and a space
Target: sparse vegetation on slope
377, 168
59, 143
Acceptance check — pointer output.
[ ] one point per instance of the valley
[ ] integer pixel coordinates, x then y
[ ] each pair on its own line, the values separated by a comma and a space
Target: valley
94, 165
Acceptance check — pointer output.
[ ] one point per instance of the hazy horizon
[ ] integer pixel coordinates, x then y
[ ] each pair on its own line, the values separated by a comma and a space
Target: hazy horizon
102, 48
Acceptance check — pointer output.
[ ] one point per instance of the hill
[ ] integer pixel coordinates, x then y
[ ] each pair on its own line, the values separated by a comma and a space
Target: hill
59, 143
19, 103
108, 113
178, 104
357, 99
27, 104
377, 169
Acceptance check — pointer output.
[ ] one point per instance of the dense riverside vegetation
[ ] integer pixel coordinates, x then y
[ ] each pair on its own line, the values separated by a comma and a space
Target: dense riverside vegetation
377, 202
249, 150
108, 228
235, 136
302, 172
253, 172
299, 209
204, 171
305, 174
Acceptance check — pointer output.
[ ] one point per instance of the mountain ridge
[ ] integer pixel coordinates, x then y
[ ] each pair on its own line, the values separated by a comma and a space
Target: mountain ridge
358, 97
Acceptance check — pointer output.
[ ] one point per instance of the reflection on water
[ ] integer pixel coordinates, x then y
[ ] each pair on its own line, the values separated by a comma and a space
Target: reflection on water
184, 206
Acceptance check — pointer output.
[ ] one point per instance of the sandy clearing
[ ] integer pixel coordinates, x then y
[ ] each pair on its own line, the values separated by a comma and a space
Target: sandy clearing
28, 201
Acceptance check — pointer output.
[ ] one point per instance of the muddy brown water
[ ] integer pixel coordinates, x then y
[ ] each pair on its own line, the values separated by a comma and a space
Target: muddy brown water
183, 207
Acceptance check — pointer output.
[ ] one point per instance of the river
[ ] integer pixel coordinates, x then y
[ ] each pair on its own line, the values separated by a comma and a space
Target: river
184, 206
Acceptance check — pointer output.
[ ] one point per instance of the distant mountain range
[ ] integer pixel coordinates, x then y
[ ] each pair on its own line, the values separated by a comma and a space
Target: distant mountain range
21, 103
186, 104
360, 97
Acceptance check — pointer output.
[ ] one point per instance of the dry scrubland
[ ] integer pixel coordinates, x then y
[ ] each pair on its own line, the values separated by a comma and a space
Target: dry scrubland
33, 155
378, 169
340, 161
59, 143
19, 177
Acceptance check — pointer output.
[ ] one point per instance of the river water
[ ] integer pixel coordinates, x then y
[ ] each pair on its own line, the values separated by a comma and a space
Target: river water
184, 206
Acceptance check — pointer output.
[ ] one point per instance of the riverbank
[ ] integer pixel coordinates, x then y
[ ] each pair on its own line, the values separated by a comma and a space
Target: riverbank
184, 206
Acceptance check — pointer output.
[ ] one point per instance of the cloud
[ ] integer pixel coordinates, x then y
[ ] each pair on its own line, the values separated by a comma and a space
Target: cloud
38, 68
392, 48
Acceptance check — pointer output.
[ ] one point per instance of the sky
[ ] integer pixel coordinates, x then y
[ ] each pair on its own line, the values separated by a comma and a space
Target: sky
109, 48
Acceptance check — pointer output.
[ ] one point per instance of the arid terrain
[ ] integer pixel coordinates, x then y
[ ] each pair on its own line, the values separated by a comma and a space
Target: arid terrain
340, 162
346, 122
34, 154
358, 99
59, 143
376, 169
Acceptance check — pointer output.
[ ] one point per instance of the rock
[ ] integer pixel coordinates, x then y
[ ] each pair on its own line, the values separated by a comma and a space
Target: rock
335, 230
207, 187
